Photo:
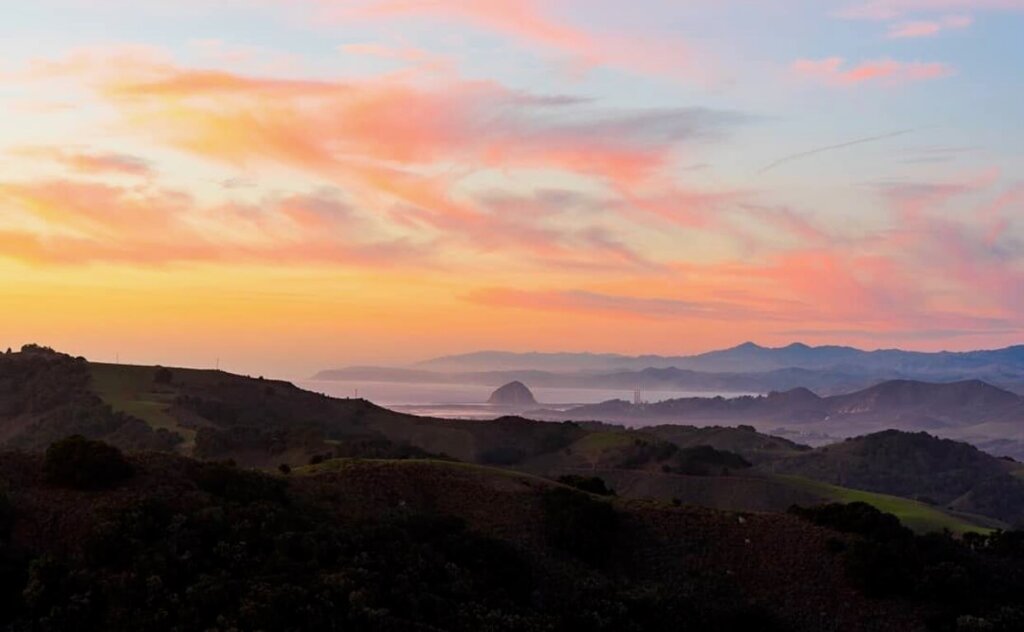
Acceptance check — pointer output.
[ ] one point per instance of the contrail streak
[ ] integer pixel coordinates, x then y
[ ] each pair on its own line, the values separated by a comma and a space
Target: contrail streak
859, 141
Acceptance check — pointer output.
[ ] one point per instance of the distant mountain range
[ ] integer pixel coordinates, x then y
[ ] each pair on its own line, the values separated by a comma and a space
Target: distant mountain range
745, 358
747, 368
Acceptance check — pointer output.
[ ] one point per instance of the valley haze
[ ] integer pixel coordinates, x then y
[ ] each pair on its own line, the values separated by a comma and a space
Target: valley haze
812, 394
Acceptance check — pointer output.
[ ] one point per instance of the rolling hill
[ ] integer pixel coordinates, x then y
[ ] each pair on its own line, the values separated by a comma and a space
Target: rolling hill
938, 472
261, 423
970, 410
179, 544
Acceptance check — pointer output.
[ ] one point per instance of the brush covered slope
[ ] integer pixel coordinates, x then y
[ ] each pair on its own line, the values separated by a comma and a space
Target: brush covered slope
163, 542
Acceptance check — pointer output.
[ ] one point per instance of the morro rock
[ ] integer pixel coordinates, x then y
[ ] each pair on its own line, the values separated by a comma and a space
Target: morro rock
512, 394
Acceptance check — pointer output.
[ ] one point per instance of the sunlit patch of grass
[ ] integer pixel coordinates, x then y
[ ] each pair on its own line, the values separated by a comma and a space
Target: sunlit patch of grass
132, 390
920, 517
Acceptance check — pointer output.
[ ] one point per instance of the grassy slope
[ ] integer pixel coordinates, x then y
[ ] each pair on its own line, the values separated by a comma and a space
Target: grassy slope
916, 515
130, 389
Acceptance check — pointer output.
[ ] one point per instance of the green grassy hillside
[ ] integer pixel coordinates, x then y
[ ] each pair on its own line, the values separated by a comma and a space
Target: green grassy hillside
916, 515
133, 390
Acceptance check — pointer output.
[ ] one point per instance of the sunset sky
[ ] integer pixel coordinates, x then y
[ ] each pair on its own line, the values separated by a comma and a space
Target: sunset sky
290, 185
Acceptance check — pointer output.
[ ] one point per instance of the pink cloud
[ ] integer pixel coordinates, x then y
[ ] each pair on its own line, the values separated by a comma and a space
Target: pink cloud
834, 71
929, 28
928, 271
400, 149
421, 60
384, 137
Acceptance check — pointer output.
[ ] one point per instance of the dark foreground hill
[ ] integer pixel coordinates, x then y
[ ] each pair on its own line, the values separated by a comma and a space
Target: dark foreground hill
169, 543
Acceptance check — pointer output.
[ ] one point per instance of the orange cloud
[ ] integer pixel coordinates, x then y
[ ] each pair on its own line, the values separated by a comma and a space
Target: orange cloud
402, 146
68, 222
833, 71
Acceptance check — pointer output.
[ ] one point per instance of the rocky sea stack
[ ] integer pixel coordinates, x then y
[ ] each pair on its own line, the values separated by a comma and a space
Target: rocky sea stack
512, 394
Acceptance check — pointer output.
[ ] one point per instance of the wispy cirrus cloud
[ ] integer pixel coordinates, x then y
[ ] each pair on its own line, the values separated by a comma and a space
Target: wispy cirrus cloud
834, 71
948, 275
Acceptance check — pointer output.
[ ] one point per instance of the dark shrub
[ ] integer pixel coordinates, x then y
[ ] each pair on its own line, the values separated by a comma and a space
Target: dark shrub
589, 484
81, 463
13, 576
860, 518
230, 483
704, 460
880, 568
579, 524
284, 468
